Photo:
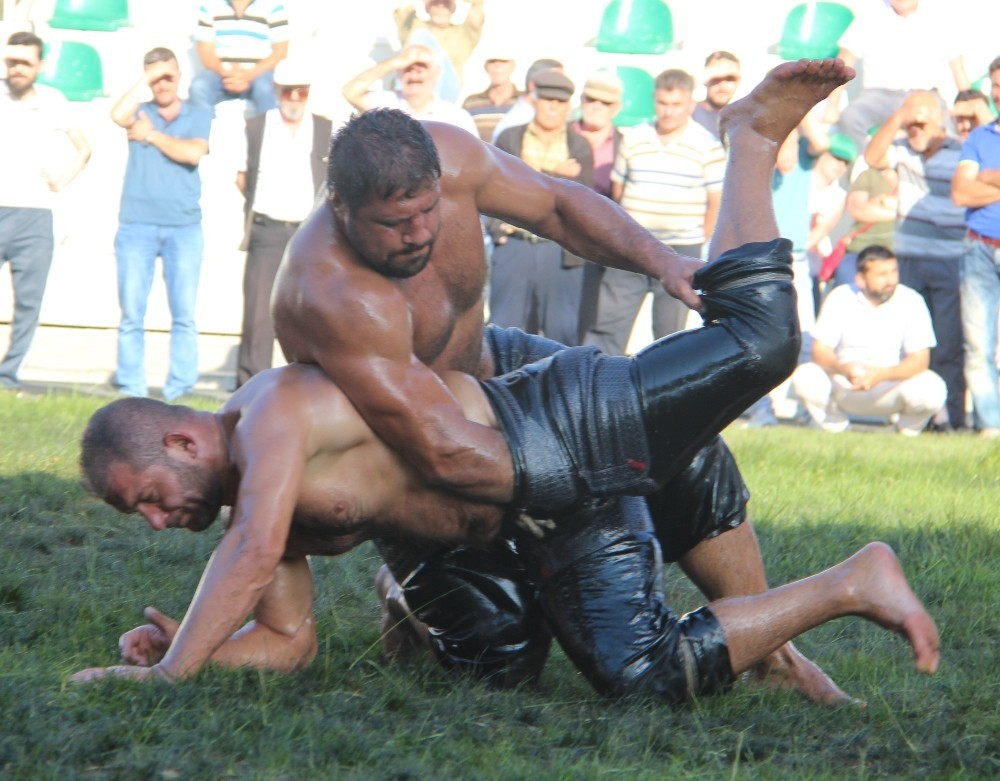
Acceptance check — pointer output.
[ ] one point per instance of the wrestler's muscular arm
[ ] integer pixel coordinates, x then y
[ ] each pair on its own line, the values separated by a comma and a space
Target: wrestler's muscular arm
281, 636
360, 332
575, 216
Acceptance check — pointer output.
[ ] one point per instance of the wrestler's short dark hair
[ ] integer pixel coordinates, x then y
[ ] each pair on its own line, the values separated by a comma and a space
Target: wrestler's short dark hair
995, 65
675, 78
129, 431
380, 153
873, 253
25, 38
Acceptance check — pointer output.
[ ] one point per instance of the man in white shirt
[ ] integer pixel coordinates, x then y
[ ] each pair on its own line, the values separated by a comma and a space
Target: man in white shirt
32, 116
871, 352
282, 172
418, 71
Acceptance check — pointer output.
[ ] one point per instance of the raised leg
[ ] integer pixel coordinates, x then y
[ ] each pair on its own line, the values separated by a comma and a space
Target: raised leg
753, 129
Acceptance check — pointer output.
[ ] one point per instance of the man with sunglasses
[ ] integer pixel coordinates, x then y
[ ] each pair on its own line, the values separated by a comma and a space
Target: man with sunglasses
30, 114
721, 80
160, 216
283, 169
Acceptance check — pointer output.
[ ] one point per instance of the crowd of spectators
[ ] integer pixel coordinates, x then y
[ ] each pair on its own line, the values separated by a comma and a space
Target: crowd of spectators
894, 165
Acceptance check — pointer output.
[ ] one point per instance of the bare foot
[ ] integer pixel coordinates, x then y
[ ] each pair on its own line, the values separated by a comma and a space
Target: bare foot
787, 668
778, 104
876, 580
402, 634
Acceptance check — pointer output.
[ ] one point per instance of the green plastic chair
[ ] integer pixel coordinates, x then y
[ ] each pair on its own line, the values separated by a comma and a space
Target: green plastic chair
636, 27
984, 85
637, 96
813, 30
73, 68
100, 15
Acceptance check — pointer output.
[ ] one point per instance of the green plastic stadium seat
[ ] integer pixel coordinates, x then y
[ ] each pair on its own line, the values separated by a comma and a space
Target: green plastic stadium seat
636, 27
74, 69
813, 30
101, 15
637, 96
984, 85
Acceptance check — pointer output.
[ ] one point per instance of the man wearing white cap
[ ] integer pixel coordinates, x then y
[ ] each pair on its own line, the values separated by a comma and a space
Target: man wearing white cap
282, 171
721, 79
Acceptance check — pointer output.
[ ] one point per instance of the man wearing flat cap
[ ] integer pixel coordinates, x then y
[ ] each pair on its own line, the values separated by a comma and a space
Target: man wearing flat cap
283, 171
535, 285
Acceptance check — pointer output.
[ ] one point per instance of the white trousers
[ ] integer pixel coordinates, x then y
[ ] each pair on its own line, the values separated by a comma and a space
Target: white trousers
831, 402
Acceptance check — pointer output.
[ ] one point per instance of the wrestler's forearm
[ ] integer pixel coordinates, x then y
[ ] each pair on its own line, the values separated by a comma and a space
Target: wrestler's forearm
598, 229
231, 586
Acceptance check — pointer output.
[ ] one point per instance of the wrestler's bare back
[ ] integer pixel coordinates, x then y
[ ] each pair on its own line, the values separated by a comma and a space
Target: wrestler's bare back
353, 487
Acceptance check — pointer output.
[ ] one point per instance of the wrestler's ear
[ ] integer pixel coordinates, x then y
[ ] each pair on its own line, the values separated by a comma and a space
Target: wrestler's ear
181, 445
339, 206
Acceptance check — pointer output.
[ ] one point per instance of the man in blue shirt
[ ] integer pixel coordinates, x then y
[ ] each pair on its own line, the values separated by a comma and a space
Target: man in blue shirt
976, 186
160, 216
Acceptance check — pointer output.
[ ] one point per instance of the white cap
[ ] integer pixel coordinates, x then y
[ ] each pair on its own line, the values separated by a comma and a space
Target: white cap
292, 73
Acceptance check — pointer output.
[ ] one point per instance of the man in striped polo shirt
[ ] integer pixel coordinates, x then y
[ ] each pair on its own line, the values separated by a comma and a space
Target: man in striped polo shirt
239, 42
929, 229
668, 177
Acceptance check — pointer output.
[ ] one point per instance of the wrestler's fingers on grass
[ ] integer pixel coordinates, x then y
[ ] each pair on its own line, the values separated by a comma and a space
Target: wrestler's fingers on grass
161, 620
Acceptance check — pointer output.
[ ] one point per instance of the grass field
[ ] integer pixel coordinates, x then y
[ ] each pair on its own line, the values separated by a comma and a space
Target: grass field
74, 575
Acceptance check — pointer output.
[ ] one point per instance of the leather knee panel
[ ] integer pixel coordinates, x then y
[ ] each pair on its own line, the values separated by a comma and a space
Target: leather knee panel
481, 613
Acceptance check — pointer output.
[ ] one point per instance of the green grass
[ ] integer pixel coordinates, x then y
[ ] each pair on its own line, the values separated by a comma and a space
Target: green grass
74, 575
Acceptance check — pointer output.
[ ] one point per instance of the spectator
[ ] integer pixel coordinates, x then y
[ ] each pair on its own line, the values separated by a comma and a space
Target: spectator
30, 114
600, 102
418, 72
668, 177
871, 204
896, 41
455, 41
282, 173
871, 352
970, 110
523, 111
976, 186
721, 80
239, 42
827, 198
535, 284
929, 229
488, 106
160, 216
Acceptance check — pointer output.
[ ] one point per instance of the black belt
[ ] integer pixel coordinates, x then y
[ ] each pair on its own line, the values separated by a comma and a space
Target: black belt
989, 242
263, 219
